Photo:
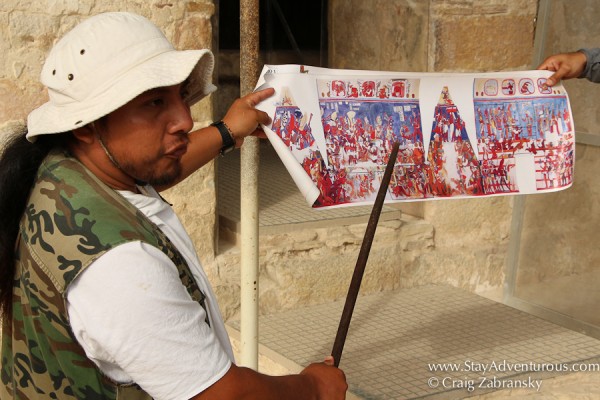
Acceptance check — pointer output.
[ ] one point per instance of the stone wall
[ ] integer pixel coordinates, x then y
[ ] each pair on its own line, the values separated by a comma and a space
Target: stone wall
312, 266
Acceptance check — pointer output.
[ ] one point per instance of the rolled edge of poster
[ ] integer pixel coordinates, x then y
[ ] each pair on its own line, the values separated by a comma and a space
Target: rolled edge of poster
307, 187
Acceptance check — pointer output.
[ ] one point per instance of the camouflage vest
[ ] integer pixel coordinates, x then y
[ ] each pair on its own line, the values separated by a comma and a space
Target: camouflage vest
71, 219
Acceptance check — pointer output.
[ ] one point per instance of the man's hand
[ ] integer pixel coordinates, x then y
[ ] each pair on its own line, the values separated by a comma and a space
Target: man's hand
243, 119
329, 380
565, 65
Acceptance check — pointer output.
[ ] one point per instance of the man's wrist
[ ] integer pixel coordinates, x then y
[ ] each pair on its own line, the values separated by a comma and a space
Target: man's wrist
227, 138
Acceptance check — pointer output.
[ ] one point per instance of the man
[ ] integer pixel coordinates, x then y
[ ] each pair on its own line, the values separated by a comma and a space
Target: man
102, 293
584, 63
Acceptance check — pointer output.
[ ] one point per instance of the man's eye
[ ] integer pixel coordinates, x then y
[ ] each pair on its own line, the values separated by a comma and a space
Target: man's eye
157, 102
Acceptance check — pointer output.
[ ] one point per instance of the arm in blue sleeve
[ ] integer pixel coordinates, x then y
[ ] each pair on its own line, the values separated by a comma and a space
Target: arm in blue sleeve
592, 68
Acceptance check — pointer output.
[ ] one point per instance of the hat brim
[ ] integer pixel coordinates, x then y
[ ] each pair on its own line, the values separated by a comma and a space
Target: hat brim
166, 69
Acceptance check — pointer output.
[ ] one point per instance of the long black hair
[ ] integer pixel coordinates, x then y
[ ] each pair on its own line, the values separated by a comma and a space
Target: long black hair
19, 162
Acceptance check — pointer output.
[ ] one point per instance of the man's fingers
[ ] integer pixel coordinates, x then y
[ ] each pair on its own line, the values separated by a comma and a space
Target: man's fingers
263, 118
256, 97
544, 65
259, 134
551, 64
560, 73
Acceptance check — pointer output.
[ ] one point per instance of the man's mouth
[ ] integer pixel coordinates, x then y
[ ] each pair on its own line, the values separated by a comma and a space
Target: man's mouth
177, 151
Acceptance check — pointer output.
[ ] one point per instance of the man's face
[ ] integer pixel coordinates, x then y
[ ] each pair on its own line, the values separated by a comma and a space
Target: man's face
148, 136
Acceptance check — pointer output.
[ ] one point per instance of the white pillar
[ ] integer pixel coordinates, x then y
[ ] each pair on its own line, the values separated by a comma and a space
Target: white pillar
249, 192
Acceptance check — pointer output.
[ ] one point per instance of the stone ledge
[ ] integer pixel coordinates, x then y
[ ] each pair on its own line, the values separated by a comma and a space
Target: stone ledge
314, 265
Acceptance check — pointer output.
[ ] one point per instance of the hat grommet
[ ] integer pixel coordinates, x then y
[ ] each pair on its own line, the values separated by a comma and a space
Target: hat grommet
70, 77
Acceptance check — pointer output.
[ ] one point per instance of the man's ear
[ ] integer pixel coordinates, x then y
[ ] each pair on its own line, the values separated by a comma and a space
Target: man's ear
86, 134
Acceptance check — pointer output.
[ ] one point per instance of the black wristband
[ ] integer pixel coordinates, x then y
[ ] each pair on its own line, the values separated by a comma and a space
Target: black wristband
226, 137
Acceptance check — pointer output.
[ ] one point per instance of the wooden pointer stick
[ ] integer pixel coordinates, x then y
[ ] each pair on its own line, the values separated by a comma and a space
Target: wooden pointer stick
359, 269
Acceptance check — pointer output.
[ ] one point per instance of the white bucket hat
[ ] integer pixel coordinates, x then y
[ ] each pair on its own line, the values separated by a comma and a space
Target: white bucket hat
105, 62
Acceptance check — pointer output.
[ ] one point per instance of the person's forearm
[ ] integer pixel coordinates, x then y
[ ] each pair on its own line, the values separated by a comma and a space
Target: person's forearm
245, 384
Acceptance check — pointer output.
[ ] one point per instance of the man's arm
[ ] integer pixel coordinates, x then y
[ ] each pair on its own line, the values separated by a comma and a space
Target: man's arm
319, 381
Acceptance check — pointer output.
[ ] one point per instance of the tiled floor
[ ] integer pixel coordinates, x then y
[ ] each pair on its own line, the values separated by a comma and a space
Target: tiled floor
280, 201
394, 336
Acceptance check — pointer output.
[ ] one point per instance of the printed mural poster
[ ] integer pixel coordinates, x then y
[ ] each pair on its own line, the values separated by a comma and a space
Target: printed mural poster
461, 135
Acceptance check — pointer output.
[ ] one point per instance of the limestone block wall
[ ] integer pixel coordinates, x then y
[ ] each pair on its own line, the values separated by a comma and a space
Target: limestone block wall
312, 266
473, 35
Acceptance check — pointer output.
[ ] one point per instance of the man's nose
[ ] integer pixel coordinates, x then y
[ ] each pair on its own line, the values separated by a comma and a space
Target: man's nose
181, 117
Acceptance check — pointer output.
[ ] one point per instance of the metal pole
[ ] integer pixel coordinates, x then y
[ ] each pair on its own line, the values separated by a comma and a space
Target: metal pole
249, 48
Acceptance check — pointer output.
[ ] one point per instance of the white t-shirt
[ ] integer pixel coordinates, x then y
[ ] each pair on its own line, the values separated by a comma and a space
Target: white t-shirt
137, 322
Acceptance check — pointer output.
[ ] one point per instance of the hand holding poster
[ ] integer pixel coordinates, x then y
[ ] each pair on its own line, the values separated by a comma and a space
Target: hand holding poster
460, 135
